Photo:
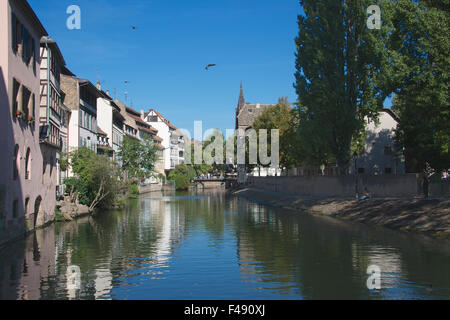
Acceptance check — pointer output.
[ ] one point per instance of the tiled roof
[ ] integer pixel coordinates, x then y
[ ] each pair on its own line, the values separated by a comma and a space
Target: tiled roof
138, 119
100, 132
151, 130
162, 118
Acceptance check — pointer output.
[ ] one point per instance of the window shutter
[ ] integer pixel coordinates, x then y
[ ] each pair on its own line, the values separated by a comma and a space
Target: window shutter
14, 32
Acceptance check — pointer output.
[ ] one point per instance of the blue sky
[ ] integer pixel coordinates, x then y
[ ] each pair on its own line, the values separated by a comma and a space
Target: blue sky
164, 59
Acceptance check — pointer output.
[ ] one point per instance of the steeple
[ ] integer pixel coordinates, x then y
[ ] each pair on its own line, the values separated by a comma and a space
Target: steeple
241, 102
240, 106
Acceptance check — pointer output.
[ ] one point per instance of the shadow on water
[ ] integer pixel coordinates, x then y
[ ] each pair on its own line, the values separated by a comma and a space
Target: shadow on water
209, 245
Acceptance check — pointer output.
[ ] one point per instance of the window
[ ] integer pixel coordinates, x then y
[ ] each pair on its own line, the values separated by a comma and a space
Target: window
44, 168
27, 206
33, 105
2, 201
361, 170
387, 170
15, 162
27, 46
388, 150
153, 118
28, 165
16, 30
15, 208
51, 167
15, 104
26, 94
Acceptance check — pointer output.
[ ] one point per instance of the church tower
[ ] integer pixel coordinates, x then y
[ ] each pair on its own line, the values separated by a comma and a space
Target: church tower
240, 105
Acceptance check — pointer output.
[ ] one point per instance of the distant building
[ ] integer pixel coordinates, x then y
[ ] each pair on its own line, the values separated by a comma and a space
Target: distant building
136, 127
246, 114
110, 126
81, 98
25, 200
379, 155
172, 139
53, 114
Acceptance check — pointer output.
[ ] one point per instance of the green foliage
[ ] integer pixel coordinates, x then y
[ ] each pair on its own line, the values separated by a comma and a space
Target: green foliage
97, 179
138, 157
182, 175
282, 117
58, 215
134, 190
338, 77
64, 161
162, 178
420, 65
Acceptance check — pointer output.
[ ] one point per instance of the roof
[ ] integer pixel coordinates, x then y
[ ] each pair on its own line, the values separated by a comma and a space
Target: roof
150, 130
392, 114
31, 15
138, 119
162, 118
67, 72
100, 132
54, 46
158, 138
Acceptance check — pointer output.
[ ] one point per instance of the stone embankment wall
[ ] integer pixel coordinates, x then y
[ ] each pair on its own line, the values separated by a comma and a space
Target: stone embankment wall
396, 186
155, 187
211, 185
426, 216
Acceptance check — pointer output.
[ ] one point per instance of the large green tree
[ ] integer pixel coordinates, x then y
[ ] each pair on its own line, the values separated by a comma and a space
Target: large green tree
338, 65
138, 157
419, 46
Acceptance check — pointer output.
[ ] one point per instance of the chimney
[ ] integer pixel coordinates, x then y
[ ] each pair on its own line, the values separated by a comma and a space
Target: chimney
142, 114
99, 86
258, 105
107, 92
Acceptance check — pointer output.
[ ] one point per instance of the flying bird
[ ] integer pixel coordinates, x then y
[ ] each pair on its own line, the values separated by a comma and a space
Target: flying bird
209, 66
133, 27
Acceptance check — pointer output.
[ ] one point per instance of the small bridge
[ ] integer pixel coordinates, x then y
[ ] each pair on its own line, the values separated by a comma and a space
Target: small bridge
216, 182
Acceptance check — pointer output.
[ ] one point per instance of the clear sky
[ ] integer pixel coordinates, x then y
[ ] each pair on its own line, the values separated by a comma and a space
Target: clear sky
164, 58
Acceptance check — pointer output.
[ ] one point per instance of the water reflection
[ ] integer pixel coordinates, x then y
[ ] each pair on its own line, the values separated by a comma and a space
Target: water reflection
213, 246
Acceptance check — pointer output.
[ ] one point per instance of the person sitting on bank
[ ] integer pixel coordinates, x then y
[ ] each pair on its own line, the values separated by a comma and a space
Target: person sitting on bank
366, 194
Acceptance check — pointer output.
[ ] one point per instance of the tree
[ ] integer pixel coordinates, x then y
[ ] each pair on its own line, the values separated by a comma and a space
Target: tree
183, 176
338, 77
138, 157
282, 117
419, 47
97, 180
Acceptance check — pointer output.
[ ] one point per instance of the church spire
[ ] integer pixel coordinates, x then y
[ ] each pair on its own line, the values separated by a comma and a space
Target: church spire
241, 102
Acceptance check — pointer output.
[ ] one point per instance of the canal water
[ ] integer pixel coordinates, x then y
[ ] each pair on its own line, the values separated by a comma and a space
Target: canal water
210, 245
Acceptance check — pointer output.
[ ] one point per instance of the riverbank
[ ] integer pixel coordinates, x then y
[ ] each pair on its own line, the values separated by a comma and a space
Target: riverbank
426, 216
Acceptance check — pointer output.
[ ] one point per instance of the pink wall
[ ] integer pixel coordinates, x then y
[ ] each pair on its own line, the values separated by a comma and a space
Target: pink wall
19, 132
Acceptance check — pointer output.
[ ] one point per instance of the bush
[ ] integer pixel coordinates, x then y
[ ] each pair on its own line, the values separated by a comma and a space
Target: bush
162, 178
182, 175
134, 190
98, 179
